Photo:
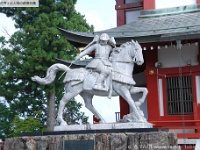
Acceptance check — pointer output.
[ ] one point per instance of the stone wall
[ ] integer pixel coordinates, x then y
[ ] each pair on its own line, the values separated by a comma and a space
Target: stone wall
161, 140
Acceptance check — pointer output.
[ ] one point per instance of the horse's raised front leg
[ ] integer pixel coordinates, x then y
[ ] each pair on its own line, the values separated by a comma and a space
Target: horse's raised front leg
123, 91
88, 104
142, 90
71, 92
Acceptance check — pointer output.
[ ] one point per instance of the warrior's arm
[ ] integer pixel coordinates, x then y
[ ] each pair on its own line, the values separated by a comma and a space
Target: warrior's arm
112, 42
88, 50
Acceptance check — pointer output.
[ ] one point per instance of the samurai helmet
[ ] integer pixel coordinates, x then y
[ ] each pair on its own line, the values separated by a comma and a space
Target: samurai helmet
104, 37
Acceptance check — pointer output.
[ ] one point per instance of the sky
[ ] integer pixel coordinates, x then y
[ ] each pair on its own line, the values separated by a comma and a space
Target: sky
173, 3
102, 15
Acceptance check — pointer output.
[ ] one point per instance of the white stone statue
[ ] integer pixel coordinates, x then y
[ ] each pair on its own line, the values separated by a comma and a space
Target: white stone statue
102, 46
118, 81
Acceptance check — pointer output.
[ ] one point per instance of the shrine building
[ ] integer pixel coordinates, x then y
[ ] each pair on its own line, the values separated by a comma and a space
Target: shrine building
170, 39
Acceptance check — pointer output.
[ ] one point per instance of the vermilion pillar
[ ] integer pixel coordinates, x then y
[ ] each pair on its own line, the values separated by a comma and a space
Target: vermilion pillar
122, 8
198, 1
196, 105
151, 57
150, 4
120, 12
124, 107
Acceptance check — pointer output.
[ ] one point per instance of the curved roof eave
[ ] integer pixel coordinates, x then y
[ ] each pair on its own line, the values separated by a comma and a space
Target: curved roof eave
162, 28
79, 39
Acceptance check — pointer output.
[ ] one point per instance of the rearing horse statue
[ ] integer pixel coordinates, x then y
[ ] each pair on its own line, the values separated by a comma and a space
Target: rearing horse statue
79, 81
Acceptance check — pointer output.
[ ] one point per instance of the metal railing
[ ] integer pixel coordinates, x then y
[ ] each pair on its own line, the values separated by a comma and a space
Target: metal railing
1, 145
117, 116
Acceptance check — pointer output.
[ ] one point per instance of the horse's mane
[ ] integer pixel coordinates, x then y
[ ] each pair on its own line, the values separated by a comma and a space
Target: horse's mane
121, 54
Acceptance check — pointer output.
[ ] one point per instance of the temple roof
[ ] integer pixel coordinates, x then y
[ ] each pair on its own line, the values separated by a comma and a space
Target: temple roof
160, 25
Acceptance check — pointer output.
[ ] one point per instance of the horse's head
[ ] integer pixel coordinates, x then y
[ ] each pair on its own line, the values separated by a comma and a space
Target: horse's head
135, 51
128, 52
138, 53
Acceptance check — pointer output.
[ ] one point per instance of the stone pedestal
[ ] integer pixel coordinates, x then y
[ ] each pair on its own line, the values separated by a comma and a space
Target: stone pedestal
110, 139
129, 125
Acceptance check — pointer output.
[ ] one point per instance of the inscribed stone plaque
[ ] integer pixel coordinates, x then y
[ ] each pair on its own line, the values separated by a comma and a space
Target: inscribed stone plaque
79, 145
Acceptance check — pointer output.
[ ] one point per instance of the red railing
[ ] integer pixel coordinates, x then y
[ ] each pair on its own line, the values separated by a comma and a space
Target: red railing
1, 145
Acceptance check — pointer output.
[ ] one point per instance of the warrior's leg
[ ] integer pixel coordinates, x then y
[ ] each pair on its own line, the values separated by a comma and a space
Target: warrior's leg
100, 81
104, 71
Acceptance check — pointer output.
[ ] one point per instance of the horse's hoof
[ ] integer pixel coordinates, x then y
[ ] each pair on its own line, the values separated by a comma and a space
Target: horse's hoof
102, 122
143, 120
63, 124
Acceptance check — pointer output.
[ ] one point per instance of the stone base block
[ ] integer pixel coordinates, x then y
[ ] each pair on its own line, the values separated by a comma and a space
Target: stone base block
159, 140
130, 125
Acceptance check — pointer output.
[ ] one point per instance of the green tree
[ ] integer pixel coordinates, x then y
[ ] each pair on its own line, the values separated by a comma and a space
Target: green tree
72, 114
30, 124
5, 113
32, 50
5, 118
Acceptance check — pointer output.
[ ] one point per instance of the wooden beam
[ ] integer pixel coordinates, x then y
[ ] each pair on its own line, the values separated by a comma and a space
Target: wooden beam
188, 135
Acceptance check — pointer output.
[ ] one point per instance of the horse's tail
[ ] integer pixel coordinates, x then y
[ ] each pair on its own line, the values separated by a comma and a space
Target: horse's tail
51, 74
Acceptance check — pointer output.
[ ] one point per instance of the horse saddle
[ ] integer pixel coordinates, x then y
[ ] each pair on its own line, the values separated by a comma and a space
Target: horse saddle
90, 81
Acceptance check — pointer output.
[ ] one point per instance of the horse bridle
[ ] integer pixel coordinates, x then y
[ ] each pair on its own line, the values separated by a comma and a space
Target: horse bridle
135, 54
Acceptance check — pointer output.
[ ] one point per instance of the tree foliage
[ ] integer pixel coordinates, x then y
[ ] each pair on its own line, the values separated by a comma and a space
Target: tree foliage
72, 114
30, 124
31, 50
5, 118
